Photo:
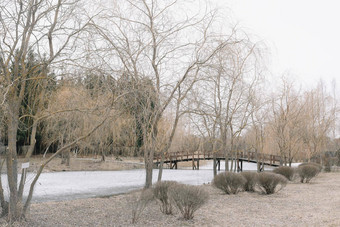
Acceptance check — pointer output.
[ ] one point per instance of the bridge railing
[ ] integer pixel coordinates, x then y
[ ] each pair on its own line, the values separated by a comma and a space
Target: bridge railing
249, 155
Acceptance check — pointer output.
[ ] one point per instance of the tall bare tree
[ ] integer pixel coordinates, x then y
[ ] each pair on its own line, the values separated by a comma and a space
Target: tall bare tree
51, 29
256, 135
163, 41
287, 110
233, 76
318, 120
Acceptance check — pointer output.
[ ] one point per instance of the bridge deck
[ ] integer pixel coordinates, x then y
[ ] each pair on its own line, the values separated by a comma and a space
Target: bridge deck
173, 158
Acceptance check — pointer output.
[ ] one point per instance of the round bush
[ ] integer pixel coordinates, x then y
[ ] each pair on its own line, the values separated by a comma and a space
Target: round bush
327, 165
307, 172
338, 158
285, 171
161, 193
188, 199
270, 183
229, 182
313, 164
251, 180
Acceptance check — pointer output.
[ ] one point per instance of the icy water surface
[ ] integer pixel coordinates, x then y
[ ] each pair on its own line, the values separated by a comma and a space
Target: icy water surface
59, 186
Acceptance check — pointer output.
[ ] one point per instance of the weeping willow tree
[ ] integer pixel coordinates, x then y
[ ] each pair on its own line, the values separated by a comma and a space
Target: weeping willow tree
141, 104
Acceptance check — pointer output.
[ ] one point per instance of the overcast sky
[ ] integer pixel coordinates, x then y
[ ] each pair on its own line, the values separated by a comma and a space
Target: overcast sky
303, 35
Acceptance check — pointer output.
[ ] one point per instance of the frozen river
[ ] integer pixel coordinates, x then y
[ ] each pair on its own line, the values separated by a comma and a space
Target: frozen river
58, 186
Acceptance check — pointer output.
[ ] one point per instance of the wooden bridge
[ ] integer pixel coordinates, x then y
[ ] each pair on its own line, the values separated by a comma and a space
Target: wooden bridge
172, 159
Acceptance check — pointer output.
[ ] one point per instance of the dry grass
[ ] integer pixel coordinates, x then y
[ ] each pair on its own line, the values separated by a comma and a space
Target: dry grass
188, 165
138, 204
90, 163
93, 163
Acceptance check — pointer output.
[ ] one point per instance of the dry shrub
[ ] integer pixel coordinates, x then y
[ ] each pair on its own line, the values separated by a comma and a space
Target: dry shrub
251, 181
188, 199
307, 172
229, 182
140, 203
161, 193
338, 158
269, 182
313, 164
285, 171
328, 165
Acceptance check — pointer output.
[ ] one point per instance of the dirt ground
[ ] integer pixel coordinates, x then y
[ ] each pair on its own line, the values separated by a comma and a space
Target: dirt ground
313, 204
93, 163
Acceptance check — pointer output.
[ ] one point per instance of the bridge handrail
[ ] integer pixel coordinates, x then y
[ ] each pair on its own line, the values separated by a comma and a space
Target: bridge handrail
250, 155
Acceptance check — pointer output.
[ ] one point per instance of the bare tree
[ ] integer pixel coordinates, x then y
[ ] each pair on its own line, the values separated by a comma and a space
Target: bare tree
205, 118
318, 120
257, 135
51, 29
164, 42
287, 126
233, 76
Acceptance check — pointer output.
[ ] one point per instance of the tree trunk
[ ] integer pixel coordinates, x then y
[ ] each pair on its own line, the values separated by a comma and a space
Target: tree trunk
148, 158
226, 161
66, 158
160, 172
27, 156
258, 167
290, 160
14, 210
215, 162
4, 203
103, 155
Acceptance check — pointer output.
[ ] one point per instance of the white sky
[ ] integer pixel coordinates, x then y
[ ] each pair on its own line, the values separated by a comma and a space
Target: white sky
303, 36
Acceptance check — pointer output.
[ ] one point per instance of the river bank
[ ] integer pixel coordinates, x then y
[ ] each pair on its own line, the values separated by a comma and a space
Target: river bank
89, 163
92, 163
314, 204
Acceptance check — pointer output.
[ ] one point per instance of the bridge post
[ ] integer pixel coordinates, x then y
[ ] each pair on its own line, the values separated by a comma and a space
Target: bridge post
239, 165
198, 164
261, 166
217, 163
271, 159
